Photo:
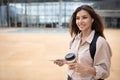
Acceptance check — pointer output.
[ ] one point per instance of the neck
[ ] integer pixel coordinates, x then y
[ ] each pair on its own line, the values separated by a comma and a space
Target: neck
86, 33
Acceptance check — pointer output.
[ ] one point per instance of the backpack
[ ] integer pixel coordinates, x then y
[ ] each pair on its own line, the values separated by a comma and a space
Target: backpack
92, 49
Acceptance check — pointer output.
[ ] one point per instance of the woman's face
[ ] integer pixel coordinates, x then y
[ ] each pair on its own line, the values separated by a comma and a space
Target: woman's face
84, 20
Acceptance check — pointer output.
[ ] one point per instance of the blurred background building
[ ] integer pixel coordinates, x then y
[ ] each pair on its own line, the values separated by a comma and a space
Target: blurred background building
54, 13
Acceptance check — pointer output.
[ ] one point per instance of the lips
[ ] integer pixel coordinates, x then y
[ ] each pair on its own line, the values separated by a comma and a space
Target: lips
82, 25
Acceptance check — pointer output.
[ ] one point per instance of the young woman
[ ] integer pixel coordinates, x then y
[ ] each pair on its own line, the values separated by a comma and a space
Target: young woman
85, 22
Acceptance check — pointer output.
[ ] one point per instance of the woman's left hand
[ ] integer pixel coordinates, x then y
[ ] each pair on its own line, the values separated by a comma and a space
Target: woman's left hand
78, 67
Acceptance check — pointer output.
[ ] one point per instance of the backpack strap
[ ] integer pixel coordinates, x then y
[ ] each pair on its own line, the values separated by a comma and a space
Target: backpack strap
93, 45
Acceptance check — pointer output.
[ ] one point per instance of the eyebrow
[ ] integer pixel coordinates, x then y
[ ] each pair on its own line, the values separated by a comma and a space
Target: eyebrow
82, 15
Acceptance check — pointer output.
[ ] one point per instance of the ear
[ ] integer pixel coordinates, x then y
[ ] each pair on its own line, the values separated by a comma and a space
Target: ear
92, 20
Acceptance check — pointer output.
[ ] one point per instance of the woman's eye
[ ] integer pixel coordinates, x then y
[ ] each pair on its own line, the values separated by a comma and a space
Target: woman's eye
77, 18
84, 17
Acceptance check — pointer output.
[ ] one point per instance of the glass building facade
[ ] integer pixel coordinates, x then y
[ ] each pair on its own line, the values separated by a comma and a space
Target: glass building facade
53, 13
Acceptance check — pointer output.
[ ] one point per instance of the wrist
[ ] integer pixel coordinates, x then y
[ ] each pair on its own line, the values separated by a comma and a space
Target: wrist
91, 70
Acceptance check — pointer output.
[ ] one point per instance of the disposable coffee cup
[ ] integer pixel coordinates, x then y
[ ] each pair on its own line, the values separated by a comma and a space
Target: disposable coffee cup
70, 58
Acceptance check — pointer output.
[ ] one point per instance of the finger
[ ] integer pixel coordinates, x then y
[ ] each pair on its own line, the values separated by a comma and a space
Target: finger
72, 67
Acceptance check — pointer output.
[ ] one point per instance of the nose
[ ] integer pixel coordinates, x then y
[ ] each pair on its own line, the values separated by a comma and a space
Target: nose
79, 21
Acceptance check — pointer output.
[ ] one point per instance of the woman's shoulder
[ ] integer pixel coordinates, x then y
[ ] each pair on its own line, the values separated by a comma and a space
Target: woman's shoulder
102, 41
102, 44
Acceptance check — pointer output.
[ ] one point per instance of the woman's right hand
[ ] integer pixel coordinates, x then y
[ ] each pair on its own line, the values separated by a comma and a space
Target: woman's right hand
59, 62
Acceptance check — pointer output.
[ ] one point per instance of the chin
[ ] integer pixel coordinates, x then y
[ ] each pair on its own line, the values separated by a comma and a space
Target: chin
82, 29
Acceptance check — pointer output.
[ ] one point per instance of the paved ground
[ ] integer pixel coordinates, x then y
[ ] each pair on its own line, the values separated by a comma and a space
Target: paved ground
26, 56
